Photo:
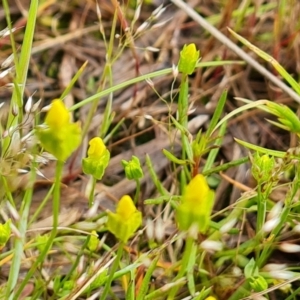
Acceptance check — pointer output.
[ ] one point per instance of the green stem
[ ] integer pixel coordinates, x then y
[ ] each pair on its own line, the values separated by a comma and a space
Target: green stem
76, 262
137, 192
8, 193
183, 267
21, 68
236, 213
41, 206
261, 209
183, 121
19, 241
269, 246
55, 211
92, 193
112, 271
107, 72
183, 101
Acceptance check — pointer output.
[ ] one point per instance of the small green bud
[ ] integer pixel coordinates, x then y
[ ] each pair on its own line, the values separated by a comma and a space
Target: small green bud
189, 57
68, 285
93, 241
42, 241
262, 167
258, 284
199, 144
197, 150
4, 233
133, 169
97, 160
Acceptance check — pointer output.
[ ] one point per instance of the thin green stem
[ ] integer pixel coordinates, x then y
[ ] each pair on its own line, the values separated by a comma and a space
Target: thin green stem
144, 287
112, 271
269, 245
226, 166
41, 206
76, 262
261, 209
183, 101
106, 73
92, 193
183, 121
21, 70
137, 191
183, 266
8, 193
20, 241
55, 211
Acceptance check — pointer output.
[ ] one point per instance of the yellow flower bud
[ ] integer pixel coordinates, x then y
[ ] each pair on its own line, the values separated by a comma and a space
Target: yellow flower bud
58, 115
97, 160
127, 219
4, 233
196, 205
126, 208
60, 137
97, 148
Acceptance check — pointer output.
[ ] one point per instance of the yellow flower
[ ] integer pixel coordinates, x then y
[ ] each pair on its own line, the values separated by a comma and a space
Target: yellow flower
196, 205
58, 115
97, 148
127, 219
97, 160
195, 190
60, 137
4, 233
126, 208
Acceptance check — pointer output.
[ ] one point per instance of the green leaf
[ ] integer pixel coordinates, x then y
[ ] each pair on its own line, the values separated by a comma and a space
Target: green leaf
275, 153
217, 113
173, 158
280, 69
251, 269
